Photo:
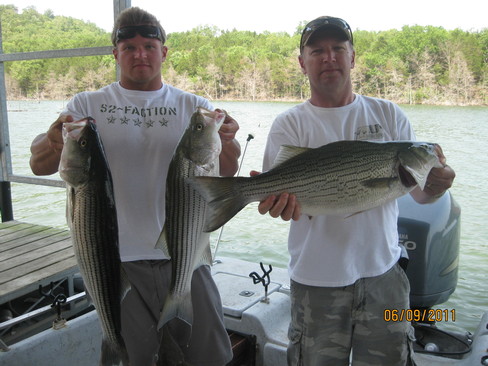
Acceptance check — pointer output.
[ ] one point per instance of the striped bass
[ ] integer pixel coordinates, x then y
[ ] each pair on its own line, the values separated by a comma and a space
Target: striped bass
182, 238
92, 220
343, 177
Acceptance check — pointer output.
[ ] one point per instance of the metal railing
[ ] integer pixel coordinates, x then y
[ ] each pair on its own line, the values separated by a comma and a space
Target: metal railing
6, 172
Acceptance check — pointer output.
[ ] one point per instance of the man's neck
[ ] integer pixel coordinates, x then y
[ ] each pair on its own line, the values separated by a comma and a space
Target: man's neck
332, 100
152, 86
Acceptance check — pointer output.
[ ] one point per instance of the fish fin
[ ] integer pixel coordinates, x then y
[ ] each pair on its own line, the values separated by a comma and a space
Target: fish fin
177, 307
378, 182
420, 174
287, 152
353, 214
89, 299
70, 201
420, 177
125, 285
222, 197
206, 258
109, 354
112, 355
162, 242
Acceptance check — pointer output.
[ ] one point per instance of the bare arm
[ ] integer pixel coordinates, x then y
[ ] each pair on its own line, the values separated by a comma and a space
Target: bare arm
231, 150
46, 148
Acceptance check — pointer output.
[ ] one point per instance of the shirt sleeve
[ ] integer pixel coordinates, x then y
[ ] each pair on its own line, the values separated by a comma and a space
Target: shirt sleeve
77, 107
403, 125
280, 134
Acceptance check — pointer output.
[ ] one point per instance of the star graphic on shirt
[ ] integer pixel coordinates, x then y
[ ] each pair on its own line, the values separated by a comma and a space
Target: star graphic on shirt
163, 122
137, 122
111, 119
124, 120
149, 123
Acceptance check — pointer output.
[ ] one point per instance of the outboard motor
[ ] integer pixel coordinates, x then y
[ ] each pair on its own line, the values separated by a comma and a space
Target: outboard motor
430, 234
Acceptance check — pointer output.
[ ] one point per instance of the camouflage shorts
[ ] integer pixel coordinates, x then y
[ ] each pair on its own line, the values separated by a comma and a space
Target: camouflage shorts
337, 325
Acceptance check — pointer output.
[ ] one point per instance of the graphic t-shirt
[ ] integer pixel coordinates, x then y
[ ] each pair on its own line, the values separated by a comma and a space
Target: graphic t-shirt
140, 131
327, 250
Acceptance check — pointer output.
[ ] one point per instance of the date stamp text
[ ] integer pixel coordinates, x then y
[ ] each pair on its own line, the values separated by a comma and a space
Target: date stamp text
419, 315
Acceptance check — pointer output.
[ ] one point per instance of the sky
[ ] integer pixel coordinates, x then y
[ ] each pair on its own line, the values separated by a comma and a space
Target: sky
278, 15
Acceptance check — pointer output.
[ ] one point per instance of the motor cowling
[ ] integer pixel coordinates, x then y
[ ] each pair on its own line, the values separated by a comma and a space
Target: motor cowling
430, 233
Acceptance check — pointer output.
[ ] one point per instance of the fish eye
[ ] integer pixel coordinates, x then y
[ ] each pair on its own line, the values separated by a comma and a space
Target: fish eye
199, 127
83, 142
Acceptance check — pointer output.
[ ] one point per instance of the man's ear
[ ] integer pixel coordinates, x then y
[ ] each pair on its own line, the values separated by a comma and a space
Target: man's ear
353, 59
115, 52
302, 65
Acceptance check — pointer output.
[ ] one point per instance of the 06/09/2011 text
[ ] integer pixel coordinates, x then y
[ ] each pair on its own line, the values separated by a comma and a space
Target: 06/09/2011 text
419, 315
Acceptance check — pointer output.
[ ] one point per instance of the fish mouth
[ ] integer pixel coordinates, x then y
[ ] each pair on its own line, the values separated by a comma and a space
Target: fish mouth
211, 116
73, 130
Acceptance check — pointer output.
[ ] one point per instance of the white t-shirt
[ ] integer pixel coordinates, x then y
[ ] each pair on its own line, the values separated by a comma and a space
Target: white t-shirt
333, 251
140, 131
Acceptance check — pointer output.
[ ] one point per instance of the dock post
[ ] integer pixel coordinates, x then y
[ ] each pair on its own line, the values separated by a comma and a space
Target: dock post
6, 202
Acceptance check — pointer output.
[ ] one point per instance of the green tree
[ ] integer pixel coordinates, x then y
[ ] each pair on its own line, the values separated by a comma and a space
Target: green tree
417, 64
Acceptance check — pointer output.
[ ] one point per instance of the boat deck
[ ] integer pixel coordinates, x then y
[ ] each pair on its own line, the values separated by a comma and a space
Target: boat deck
33, 255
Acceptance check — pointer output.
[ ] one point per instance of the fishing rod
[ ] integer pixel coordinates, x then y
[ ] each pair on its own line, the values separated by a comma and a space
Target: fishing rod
249, 138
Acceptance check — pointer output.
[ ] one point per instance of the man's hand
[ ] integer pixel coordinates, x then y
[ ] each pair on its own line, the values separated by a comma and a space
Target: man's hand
439, 181
285, 205
46, 148
54, 134
231, 150
228, 129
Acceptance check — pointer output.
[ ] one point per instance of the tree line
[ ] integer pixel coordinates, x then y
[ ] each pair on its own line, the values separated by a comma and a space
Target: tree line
414, 65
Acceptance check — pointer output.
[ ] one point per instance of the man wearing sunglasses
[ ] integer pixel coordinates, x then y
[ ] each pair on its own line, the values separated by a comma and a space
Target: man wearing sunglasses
344, 270
140, 120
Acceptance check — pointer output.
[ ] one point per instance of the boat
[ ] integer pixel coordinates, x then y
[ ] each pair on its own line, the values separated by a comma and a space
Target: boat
256, 301
46, 319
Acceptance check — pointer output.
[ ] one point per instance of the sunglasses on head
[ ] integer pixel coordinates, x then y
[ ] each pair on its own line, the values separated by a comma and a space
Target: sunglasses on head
323, 21
146, 31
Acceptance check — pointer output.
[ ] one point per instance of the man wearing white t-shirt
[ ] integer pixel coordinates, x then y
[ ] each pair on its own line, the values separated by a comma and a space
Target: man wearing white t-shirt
344, 270
140, 121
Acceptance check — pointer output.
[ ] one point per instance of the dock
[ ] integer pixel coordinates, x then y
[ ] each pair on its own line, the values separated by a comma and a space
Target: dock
33, 255
38, 272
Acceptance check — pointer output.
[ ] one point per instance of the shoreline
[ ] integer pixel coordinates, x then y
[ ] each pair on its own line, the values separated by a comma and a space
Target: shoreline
283, 100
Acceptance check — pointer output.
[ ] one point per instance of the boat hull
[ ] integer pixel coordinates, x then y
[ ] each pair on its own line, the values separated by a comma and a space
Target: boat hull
247, 312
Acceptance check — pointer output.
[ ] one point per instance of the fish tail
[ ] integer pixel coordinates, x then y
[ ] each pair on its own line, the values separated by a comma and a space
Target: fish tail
112, 355
223, 197
177, 307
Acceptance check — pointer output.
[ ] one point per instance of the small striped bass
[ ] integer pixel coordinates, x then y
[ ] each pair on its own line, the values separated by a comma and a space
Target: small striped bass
92, 220
343, 177
182, 238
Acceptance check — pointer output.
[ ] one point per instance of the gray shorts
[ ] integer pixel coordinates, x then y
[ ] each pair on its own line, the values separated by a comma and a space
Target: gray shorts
205, 343
331, 325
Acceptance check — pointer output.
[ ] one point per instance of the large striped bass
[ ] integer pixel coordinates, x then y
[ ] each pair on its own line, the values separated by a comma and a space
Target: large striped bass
92, 220
197, 154
343, 177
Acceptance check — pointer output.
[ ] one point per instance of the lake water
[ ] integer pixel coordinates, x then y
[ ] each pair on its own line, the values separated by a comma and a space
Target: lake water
461, 131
